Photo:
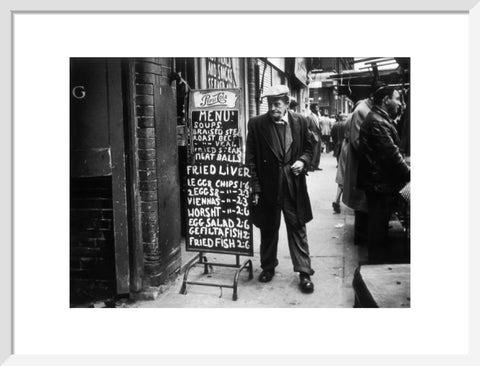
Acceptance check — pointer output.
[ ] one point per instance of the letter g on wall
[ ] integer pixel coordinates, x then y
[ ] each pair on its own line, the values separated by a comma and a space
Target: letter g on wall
79, 92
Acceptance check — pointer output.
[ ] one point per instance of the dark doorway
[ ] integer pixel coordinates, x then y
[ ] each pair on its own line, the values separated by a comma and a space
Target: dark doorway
98, 213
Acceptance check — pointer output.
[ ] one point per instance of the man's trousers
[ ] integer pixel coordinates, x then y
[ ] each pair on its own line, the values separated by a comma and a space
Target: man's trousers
296, 234
380, 208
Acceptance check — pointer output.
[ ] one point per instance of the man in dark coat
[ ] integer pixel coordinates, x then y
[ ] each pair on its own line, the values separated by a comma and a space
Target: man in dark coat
382, 170
354, 197
316, 135
279, 153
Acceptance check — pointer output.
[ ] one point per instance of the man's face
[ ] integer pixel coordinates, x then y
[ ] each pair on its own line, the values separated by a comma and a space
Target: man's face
277, 107
315, 109
394, 104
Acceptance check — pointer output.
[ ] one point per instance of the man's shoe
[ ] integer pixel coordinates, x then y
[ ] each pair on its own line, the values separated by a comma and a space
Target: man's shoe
306, 285
266, 276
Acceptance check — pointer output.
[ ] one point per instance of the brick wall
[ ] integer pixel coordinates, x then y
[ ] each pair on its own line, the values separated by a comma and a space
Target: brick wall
147, 162
92, 267
150, 74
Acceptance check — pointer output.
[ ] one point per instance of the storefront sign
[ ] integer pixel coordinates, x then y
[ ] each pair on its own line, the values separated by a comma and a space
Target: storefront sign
301, 70
220, 73
215, 99
218, 183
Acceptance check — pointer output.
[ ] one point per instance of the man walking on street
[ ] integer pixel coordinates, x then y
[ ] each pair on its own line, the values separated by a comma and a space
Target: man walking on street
382, 170
316, 133
278, 153
325, 125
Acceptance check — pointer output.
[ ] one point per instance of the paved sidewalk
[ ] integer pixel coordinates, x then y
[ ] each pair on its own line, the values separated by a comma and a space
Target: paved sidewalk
334, 259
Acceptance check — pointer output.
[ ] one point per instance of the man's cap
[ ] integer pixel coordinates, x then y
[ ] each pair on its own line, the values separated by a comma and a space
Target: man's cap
377, 85
276, 91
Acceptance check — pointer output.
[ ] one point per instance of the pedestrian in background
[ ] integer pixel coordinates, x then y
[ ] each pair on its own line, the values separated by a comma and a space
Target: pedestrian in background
340, 152
293, 105
326, 124
331, 121
316, 134
353, 197
338, 135
278, 153
382, 171
323, 119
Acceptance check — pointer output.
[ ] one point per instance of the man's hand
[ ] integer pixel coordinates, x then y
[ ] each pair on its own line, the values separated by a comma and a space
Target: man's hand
297, 167
255, 198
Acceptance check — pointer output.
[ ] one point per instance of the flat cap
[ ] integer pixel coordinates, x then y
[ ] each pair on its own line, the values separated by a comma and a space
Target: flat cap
276, 91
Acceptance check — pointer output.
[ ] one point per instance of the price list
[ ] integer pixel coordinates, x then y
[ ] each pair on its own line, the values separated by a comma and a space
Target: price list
218, 186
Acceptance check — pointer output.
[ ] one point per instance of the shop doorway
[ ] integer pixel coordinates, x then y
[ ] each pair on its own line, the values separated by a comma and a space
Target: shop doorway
99, 253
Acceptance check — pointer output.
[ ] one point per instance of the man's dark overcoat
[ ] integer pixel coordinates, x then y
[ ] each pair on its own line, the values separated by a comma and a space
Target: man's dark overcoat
265, 158
382, 168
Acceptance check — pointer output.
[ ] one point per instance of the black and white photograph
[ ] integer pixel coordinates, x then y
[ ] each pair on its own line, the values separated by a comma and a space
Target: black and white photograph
230, 183
246, 182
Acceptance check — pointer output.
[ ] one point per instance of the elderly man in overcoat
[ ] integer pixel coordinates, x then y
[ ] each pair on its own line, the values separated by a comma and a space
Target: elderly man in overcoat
279, 153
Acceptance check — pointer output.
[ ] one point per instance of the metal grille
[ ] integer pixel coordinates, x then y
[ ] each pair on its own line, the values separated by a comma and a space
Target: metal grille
265, 76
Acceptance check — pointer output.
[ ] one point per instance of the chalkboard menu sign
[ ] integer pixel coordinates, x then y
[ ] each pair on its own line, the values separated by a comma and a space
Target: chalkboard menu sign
218, 183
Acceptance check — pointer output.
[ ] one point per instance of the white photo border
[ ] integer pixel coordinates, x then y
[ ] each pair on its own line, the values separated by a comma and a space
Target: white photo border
6, 250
